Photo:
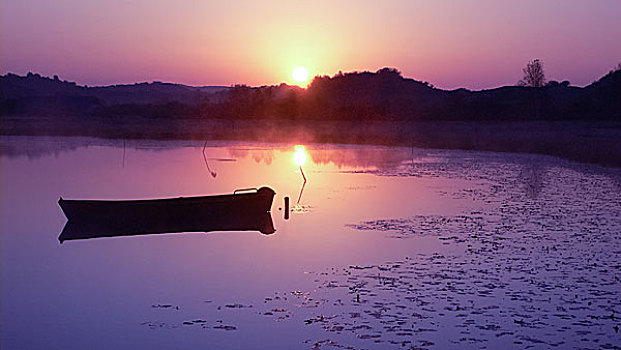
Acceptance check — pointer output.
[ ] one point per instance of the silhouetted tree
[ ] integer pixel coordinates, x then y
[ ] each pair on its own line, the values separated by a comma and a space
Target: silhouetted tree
554, 83
389, 71
533, 74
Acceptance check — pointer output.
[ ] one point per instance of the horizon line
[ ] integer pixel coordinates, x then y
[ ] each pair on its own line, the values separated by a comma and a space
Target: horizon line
6, 73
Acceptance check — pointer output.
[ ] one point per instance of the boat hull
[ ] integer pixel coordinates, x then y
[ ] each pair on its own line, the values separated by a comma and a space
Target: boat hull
234, 212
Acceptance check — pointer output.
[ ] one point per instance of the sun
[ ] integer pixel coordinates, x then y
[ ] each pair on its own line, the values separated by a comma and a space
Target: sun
300, 75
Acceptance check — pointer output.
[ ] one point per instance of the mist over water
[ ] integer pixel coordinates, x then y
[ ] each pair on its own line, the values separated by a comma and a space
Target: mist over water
388, 247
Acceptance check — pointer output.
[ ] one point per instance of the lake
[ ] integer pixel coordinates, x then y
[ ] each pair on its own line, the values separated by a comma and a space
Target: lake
385, 247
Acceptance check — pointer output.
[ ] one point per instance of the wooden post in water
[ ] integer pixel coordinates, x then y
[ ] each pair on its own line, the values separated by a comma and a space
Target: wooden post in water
286, 208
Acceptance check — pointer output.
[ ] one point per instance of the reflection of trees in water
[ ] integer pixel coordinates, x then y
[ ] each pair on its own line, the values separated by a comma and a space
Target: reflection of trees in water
533, 176
383, 158
259, 155
364, 157
35, 147
31, 148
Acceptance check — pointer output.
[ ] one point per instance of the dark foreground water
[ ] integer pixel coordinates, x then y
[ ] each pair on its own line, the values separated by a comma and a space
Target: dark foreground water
387, 248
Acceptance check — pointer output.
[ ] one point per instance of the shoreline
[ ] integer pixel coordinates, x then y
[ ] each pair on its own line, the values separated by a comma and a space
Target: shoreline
597, 142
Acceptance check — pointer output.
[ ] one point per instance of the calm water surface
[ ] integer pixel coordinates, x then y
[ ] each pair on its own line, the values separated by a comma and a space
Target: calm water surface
386, 248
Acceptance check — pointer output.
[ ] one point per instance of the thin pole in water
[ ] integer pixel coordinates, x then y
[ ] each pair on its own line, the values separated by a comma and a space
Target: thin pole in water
213, 173
303, 185
123, 164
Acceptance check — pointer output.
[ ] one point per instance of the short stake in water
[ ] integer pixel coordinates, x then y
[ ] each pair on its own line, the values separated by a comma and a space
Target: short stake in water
286, 208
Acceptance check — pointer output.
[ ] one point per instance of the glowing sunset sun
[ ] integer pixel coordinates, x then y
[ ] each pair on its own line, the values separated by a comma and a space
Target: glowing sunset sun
300, 74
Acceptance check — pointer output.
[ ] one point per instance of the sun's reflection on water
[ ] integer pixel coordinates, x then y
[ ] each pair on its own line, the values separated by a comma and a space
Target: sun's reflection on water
315, 168
299, 155
341, 157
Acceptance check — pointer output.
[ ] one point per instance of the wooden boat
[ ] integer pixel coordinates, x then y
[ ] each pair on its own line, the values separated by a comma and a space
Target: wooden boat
244, 210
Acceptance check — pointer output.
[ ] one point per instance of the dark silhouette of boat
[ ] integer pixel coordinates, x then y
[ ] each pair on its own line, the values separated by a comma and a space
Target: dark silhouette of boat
244, 210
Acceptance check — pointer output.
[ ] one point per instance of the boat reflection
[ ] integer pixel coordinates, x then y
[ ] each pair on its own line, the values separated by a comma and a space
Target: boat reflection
248, 210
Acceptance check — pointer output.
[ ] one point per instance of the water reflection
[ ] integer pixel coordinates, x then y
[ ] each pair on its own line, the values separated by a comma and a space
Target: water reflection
533, 174
299, 156
371, 157
247, 211
344, 157
449, 246
258, 154
312, 160
34, 148
341, 156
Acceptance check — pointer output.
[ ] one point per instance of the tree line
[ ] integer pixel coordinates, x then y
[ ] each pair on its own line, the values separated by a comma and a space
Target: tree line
356, 96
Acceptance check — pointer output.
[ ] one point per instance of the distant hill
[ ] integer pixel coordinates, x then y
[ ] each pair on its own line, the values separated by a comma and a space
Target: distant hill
381, 95
154, 93
384, 95
387, 95
33, 93
380, 107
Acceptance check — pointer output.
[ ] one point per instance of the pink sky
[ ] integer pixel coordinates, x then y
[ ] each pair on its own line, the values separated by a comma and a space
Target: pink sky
474, 44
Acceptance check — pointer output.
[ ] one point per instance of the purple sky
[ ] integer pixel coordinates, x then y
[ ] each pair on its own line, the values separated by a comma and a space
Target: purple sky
474, 44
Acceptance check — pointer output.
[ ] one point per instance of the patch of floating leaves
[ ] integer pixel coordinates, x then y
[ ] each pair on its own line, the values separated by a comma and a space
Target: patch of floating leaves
536, 266
198, 322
